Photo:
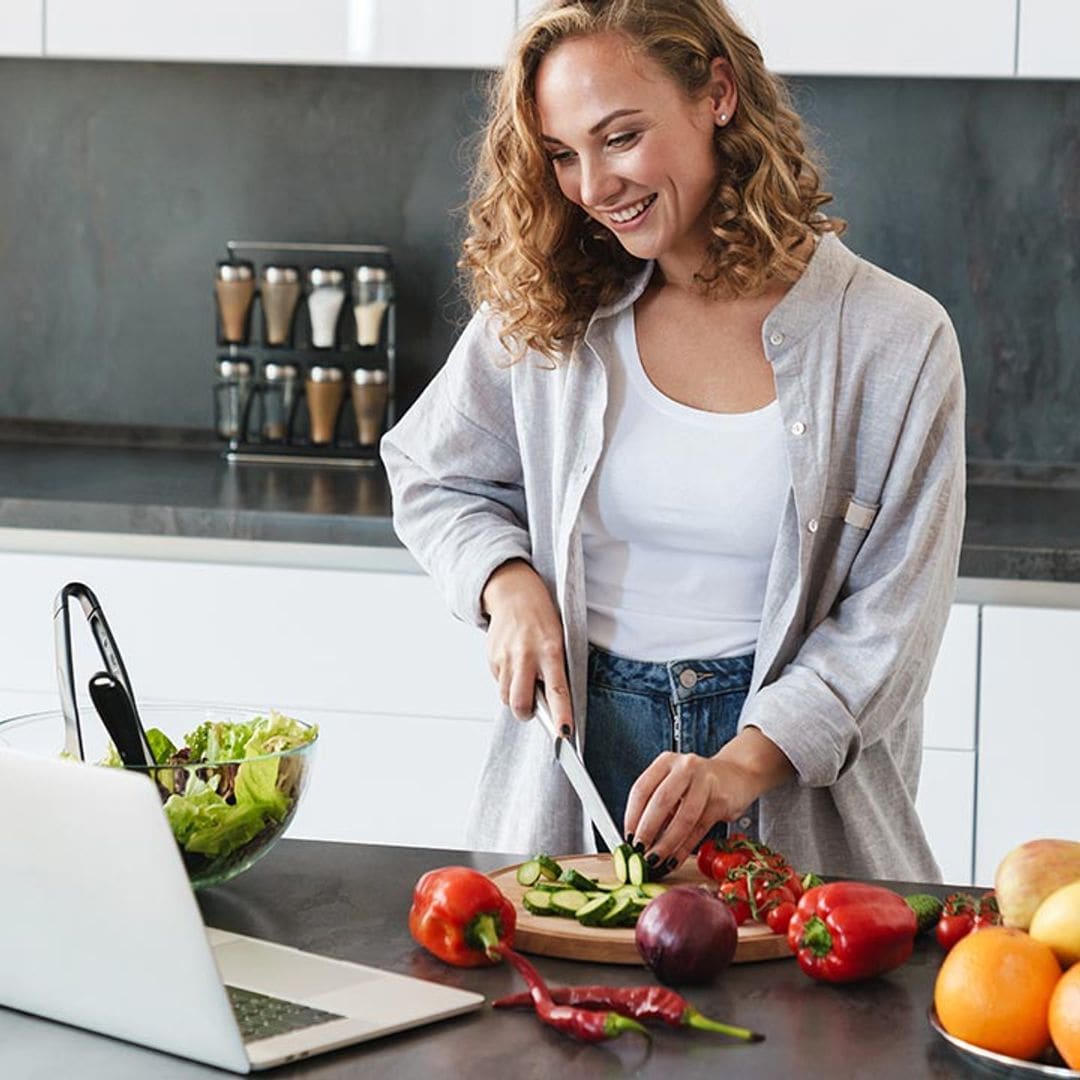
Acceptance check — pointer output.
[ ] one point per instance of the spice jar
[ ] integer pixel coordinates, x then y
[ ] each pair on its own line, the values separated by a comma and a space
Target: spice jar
370, 391
325, 392
325, 299
234, 290
279, 389
279, 290
232, 394
372, 292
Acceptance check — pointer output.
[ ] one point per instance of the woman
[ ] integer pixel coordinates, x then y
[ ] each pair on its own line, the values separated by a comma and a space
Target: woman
695, 466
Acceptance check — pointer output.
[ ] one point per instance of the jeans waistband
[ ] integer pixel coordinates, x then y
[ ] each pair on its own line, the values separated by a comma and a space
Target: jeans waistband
681, 679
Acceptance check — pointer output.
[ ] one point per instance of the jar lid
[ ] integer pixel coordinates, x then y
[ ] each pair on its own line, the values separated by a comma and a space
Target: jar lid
325, 275
320, 373
229, 368
274, 372
280, 275
239, 270
370, 273
369, 376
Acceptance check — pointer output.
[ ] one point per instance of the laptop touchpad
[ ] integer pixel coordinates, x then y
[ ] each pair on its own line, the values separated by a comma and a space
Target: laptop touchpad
285, 973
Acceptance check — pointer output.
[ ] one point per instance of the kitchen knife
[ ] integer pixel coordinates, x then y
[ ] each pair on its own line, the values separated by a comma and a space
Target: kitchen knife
567, 756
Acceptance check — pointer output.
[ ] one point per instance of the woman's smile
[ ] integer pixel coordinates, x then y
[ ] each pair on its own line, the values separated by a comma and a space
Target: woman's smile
627, 217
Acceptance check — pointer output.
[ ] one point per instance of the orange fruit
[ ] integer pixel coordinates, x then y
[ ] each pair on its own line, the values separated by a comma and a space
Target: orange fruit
1064, 1016
993, 990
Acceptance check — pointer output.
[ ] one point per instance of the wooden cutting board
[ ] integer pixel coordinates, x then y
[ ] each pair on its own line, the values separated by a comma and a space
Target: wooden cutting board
552, 935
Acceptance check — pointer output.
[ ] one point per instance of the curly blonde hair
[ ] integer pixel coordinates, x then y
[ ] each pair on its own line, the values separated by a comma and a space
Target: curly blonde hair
544, 266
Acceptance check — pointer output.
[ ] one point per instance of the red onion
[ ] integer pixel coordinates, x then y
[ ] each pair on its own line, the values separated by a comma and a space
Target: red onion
687, 935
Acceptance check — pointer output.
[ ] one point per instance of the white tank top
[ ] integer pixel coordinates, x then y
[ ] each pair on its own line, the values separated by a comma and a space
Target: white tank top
679, 520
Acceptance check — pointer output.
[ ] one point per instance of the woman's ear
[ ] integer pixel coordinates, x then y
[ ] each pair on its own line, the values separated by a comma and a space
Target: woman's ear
723, 93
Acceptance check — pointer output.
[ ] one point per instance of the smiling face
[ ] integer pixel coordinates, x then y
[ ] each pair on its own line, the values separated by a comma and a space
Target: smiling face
630, 148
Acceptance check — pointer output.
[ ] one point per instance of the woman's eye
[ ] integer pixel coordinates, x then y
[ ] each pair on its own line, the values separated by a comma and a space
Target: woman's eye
623, 139
561, 157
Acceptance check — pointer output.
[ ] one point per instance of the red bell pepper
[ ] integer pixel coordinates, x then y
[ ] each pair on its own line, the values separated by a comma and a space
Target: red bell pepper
461, 916
850, 930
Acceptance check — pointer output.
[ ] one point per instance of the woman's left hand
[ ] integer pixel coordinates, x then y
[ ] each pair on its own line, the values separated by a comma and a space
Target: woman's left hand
680, 797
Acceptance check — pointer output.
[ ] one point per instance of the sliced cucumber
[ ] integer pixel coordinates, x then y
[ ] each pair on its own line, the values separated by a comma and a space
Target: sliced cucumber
620, 857
619, 913
592, 912
653, 888
538, 902
637, 869
608, 886
548, 867
628, 892
568, 901
575, 880
528, 873
551, 886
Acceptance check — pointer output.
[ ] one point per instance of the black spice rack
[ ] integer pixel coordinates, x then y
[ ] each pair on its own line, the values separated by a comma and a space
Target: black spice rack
292, 442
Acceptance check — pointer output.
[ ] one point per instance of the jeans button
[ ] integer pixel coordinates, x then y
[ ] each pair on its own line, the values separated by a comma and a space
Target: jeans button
688, 678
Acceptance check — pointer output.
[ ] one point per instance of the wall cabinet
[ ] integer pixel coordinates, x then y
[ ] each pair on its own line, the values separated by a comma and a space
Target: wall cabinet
415, 33
960, 38
21, 24
1029, 737
1049, 31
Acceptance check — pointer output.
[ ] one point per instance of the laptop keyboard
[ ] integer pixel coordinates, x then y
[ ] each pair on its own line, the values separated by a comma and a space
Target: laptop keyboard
260, 1016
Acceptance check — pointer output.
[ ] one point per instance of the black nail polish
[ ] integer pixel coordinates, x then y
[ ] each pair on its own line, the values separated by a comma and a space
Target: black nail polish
652, 859
639, 847
671, 864
565, 731
630, 838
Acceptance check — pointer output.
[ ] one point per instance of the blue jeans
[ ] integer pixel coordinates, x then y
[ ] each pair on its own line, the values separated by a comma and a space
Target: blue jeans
638, 709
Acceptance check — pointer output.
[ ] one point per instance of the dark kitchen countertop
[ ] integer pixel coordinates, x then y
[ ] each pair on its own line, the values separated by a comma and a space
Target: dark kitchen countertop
351, 901
1023, 522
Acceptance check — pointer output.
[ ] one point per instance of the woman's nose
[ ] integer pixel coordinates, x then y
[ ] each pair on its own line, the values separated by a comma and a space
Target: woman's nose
598, 183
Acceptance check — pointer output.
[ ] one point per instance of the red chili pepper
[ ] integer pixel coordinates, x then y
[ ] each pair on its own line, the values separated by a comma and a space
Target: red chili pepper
640, 1002
849, 930
585, 1024
461, 916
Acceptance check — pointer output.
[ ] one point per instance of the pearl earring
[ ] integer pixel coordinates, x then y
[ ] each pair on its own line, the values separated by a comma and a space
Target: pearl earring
723, 118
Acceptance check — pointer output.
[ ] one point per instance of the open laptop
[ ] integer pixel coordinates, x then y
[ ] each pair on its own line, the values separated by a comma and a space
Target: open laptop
99, 928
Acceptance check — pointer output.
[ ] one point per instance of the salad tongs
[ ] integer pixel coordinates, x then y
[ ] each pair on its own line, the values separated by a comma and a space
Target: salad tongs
121, 714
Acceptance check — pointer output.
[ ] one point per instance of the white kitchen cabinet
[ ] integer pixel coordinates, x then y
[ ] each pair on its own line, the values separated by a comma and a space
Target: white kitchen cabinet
410, 33
387, 778
946, 799
21, 23
946, 804
1049, 39
957, 38
1029, 733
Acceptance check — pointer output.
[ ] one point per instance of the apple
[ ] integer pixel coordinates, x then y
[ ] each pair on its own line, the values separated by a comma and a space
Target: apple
1030, 873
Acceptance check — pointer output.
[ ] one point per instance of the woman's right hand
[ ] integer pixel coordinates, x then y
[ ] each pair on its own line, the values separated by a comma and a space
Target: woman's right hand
525, 642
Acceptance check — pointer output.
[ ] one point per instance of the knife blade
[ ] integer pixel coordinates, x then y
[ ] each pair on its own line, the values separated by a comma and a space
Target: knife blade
569, 759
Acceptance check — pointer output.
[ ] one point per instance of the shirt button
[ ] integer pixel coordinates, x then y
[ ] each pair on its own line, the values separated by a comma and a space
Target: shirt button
776, 338
688, 678
798, 428
811, 525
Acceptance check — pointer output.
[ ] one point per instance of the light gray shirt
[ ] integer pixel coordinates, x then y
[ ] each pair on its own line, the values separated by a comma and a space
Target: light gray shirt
493, 460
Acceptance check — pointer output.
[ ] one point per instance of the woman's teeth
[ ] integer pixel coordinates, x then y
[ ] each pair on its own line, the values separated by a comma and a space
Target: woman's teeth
631, 212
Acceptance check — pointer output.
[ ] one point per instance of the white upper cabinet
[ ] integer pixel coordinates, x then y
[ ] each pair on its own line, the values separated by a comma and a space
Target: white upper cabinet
952, 38
20, 27
406, 33
1049, 45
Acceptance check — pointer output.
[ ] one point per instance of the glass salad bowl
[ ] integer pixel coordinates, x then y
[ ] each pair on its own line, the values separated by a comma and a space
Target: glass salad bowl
230, 778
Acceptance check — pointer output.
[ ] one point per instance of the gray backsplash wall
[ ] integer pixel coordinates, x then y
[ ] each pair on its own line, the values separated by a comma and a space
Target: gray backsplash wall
121, 182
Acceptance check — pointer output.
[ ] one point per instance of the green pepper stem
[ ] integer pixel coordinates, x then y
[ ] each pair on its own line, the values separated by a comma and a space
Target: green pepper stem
816, 937
615, 1024
692, 1018
483, 933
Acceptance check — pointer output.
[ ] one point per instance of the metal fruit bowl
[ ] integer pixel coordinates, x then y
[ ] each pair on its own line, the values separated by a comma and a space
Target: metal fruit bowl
226, 815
